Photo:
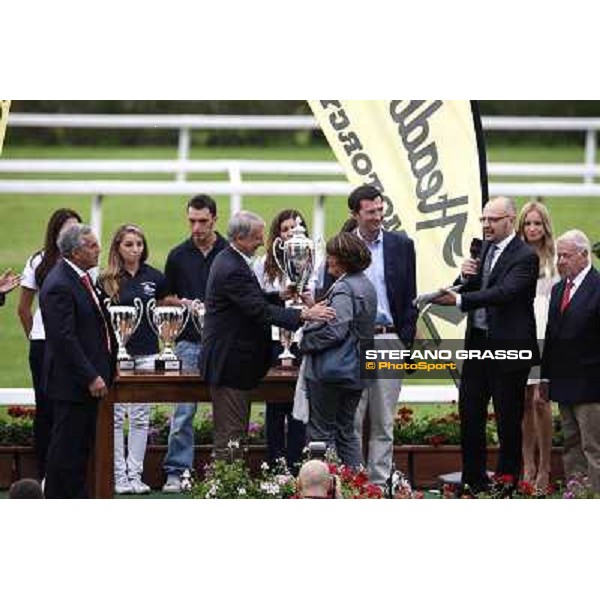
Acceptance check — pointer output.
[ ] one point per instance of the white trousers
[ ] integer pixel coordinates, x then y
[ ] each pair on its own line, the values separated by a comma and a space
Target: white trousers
131, 468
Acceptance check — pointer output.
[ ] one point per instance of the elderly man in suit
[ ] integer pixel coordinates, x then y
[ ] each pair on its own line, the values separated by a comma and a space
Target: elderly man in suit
237, 329
571, 360
393, 274
79, 363
497, 294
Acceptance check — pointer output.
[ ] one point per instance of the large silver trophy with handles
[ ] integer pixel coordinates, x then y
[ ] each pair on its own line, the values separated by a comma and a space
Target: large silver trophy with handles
298, 259
167, 322
125, 320
298, 254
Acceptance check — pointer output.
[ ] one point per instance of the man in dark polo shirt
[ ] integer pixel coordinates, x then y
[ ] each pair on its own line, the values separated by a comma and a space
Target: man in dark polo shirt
186, 274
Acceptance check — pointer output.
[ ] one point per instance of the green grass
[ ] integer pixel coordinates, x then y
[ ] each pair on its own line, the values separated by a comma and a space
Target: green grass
23, 218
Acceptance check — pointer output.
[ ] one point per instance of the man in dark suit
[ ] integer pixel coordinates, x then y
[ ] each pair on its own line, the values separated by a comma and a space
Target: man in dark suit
571, 359
393, 274
498, 294
237, 331
79, 363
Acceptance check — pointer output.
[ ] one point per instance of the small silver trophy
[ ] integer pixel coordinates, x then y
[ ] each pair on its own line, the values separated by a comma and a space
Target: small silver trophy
197, 312
298, 254
125, 320
167, 322
286, 358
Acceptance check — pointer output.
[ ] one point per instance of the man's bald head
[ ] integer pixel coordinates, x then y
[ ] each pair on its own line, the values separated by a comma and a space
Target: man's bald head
498, 219
314, 479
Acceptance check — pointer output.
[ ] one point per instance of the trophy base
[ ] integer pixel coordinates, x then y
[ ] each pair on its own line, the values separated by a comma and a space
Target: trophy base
162, 365
126, 364
286, 364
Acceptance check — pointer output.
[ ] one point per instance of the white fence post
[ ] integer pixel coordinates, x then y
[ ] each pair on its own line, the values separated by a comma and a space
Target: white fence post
319, 219
590, 155
235, 177
183, 151
96, 216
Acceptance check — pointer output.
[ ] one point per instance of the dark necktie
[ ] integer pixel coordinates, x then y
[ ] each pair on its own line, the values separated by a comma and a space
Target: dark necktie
480, 315
566, 297
487, 266
85, 278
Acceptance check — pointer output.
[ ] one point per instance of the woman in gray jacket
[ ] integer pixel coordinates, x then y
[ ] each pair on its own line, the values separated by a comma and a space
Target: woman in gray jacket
332, 404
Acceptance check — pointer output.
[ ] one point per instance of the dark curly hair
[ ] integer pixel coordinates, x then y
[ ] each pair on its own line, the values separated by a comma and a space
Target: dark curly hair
272, 271
50, 252
351, 252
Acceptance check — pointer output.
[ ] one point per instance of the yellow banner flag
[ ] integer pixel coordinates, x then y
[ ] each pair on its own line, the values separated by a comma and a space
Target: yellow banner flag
428, 159
4, 108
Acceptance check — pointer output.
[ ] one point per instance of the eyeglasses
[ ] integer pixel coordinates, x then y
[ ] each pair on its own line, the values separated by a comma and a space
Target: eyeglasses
492, 219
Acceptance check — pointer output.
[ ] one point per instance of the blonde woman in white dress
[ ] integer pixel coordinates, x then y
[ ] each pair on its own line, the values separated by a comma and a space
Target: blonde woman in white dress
535, 228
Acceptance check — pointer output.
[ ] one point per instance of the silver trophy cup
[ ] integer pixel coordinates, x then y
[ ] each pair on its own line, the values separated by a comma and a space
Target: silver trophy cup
125, 320
286, 358
197, 313
298, 253
167, 322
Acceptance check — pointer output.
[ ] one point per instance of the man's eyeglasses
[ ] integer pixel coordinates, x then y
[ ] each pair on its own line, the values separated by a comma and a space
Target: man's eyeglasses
492, 219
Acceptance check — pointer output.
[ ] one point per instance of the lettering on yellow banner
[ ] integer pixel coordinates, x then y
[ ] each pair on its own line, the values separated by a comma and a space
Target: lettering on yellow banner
4, 108
359, 158
414, 132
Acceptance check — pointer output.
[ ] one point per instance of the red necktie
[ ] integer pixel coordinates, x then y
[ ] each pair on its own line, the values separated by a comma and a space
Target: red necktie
88, 284
566, 297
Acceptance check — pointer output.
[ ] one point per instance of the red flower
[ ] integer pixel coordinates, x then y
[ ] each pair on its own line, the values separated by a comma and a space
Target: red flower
526, 488
504, 479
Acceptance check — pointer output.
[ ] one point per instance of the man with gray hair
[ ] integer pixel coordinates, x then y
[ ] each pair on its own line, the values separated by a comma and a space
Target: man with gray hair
237, 327
79, 361
571, 360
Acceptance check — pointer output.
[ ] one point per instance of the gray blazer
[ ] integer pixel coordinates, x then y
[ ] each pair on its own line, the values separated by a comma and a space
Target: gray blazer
355, 301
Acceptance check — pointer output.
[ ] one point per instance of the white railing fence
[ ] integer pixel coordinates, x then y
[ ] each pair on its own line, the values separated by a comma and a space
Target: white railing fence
236, 188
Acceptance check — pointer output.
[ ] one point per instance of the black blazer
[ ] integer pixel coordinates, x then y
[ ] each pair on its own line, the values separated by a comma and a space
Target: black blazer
236, 341
571, 358
75, 350
508, 298
399, 266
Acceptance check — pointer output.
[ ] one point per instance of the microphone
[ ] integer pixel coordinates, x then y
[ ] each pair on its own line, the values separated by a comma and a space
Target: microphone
475, 248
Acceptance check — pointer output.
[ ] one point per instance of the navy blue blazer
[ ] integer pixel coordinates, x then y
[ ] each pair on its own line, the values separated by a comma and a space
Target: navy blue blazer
76, 351
571, 359
507, 299
236, 340
399, 265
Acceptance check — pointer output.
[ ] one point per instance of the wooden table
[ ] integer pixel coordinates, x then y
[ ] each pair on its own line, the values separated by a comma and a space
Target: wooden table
154, 388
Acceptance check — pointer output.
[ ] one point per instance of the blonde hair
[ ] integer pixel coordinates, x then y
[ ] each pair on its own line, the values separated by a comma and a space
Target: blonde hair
546, 251
110, 279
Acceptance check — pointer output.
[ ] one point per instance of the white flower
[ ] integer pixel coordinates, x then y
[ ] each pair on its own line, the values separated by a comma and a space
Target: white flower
233, 444
264, 466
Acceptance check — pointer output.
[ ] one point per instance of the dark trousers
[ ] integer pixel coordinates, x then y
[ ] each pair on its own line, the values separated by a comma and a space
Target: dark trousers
44, 409
231, 417
478, 383
276, 416
331, 420
72, 440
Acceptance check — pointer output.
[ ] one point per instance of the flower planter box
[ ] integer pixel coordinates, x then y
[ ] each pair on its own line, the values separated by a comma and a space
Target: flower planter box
424, 464
7, 467
154, 475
